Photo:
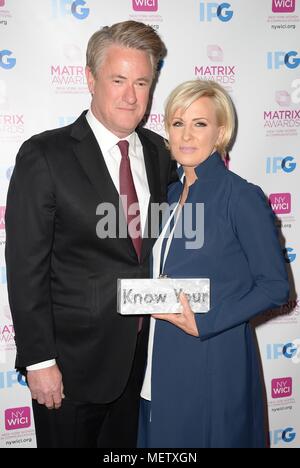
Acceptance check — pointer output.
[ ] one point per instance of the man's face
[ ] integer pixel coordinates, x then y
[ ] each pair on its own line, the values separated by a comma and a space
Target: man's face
121, 89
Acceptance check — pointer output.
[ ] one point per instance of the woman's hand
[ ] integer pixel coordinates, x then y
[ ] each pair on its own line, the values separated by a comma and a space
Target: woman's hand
186, 320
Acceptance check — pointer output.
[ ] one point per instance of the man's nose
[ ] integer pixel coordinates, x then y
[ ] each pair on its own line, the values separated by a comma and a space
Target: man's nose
130, 95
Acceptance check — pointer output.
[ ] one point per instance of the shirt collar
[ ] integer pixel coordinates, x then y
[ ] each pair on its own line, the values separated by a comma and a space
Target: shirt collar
208, 169
106, 139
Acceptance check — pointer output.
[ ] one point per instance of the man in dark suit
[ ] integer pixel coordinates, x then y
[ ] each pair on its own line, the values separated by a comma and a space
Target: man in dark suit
84, 361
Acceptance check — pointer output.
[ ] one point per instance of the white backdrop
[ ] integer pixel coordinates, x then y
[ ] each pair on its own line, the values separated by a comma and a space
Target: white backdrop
251, 47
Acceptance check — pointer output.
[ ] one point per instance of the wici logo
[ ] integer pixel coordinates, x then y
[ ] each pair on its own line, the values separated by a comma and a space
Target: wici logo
281, 203
278, 59
276, 164
6, 61
282, 388
209, 11
145, 5
283, 6
17, 418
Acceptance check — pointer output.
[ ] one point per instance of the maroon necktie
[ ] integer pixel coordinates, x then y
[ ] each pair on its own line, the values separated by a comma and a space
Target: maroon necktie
127, 189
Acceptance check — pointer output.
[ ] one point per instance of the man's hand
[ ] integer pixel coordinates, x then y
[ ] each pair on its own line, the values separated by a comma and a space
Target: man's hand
186, 321
46, 386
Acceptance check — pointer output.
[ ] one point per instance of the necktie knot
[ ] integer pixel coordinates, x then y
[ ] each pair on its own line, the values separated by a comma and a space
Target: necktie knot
124, 147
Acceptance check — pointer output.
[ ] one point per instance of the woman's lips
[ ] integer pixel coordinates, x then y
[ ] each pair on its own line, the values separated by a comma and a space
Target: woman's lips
187, 149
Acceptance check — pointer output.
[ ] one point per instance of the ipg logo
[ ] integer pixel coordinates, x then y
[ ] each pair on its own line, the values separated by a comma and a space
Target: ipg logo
6, 61
279, 436
3, 275
278, 59
11, 378
283, 6
290, 351
289, 255
209, 11
145, 5
64, 120
77, 8
275, 164
9, 172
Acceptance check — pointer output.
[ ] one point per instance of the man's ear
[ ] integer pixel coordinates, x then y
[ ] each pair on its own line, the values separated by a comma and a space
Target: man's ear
90, 80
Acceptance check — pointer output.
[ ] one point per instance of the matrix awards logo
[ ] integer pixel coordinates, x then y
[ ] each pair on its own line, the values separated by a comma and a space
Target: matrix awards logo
145, 5
283, 6
283, 121
223, 74
12, 127
282, 388
77, 9
210, 11
17, 418
281, 203
155, 119
6, 60
68, 79
7, 337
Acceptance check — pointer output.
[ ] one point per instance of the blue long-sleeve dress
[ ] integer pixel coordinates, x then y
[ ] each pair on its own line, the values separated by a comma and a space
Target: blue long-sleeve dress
207, 391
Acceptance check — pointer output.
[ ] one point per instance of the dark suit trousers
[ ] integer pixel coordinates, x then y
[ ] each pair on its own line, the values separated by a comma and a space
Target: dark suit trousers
88, 425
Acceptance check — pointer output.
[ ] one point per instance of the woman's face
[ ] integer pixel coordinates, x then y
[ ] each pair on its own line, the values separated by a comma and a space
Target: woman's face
194, 133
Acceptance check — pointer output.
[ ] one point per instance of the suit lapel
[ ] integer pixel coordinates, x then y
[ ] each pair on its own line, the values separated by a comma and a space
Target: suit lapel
153, 176
90, 158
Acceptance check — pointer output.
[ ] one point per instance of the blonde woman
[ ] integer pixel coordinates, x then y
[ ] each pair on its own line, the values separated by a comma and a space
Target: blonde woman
202, 385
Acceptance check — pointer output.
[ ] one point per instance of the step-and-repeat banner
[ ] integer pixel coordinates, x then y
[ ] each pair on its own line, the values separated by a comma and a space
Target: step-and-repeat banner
250, 47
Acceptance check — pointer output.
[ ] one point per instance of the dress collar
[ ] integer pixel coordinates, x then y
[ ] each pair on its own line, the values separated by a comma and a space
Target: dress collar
209, 169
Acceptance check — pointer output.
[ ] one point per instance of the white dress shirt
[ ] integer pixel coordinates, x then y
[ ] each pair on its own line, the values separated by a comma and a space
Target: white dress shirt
158, 269
112, 156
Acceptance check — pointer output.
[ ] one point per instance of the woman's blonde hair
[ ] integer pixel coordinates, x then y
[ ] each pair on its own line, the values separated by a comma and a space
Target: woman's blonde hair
132, 34
190, 91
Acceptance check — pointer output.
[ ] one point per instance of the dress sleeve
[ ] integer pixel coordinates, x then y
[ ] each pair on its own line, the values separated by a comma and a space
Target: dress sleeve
254, 225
